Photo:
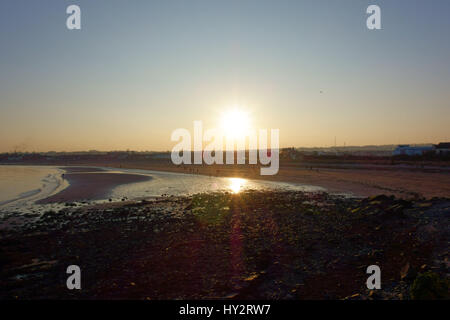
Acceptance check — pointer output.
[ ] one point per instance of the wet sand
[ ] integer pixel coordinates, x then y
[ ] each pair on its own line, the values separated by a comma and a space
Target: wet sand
91, 184
365, 182
410, 182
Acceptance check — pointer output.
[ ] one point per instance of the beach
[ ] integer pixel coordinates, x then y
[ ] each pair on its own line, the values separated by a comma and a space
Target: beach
359, 182
87, 184
243, 243
249, 245
364, 181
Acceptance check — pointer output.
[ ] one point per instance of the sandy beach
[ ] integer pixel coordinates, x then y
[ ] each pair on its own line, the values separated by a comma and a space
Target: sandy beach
360, 182
254, 244
361, 178
368, 181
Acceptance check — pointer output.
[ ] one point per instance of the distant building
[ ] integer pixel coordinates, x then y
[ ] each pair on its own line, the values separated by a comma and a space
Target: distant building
15, 158
162, 155
289, 153
442, 148
407, 150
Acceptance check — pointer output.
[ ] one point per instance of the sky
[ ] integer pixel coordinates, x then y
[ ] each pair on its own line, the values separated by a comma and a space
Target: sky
138, 70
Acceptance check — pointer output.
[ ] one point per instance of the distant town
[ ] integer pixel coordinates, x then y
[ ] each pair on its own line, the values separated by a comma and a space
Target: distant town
434, 152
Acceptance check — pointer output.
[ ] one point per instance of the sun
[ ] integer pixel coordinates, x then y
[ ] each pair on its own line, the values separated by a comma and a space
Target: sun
235, 123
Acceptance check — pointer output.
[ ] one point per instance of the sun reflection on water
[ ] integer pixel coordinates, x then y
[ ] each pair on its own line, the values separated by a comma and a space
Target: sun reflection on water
236, 184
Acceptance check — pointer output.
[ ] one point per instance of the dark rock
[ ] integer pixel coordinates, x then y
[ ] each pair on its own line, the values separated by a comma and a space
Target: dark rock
407, 272
381, 198
429, 286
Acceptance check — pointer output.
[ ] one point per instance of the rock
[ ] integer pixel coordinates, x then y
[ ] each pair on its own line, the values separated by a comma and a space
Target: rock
381, 198
377, 254
373, 294
397, 209
252, 277
407, 272
232, 295
356, 296
429, 286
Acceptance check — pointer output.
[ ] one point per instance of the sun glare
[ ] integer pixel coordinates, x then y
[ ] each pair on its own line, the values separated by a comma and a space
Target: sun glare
236, 184
235, 123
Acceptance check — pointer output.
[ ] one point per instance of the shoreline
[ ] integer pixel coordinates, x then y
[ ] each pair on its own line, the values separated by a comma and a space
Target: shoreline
39, 182
359, 182
88, 184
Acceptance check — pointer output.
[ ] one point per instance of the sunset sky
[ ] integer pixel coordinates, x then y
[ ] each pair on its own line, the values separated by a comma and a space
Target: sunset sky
137, 70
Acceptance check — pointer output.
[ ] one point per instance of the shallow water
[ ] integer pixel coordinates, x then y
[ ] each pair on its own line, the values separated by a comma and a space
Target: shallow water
30, 183
169, 183
22, 186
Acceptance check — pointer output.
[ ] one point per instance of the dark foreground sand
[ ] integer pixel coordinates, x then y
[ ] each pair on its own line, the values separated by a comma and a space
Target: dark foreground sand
253, 245
91, 184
